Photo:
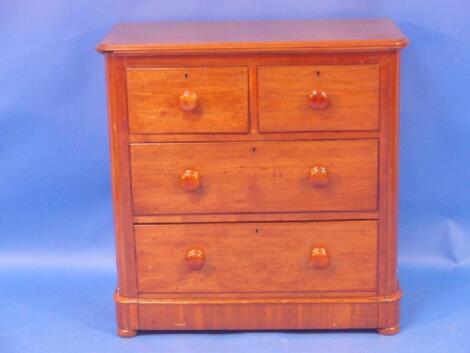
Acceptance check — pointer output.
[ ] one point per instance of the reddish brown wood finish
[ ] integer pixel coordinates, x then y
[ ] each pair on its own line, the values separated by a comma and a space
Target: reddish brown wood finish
185, 100
119, 151
389, 313
264, 313
253, 36
195, 258
266, 257
265, 148
346, 97
319, 257
319, 176
190, 180
273, 316
258, 176
256, 217
188, 101
318, 100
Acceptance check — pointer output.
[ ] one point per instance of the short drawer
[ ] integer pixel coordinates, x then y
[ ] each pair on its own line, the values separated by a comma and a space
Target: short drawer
254, 177
188, 100
318, 98
257, 257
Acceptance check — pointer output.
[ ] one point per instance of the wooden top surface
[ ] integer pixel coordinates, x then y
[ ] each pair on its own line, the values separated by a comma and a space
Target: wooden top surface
253, 36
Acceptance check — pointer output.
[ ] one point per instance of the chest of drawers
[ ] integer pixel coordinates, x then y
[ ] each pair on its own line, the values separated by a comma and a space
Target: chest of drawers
254, 173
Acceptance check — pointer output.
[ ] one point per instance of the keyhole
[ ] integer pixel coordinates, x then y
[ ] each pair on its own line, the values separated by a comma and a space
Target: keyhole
253, 149
256, 230
318, 73
186, 75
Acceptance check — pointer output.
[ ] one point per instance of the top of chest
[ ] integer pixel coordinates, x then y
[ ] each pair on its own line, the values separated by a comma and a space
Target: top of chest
253, 36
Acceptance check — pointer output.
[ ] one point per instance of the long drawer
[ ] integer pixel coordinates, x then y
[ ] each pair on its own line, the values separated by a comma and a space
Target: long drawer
254, 177
257, 257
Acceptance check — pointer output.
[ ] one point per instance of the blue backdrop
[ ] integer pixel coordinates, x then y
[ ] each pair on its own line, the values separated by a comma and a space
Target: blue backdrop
56, 241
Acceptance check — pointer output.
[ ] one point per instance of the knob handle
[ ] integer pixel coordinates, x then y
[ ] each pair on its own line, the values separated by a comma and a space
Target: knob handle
195, 259
319, 176
188, 101
190, 180
319, 257
318, 100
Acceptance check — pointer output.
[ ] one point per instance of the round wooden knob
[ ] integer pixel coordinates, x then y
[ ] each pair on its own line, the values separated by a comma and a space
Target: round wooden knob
318, 100
188, 101
195, 258
319, 176
319, 257
190, 180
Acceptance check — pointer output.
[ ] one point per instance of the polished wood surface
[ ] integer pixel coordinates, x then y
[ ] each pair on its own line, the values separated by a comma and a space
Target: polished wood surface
119, 153
188, 101
249, 36
319, 257
389, 313
195, 259
318, 100
256, 217
389, 331
182, 100
266, 257
126, 333
272, 316
349, 100
254, 136
253, 62
262, 297
267, 176
190, 180
268, 149
319, 176
255, 313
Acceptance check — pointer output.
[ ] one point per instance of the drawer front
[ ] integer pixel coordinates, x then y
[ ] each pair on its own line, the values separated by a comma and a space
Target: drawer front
318, 98
188, 100
257, 257
254, 177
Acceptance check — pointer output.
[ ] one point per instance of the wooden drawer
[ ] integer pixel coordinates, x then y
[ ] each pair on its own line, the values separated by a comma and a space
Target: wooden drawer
346, 98
254, 177
188, 100
257, 257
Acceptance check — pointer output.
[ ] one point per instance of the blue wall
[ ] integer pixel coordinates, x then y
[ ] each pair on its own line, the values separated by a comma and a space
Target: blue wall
54, 181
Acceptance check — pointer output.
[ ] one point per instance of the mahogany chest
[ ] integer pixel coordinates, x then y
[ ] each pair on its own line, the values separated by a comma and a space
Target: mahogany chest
254, 173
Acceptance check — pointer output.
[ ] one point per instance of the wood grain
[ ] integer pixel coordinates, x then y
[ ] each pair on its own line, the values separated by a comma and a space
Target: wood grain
127, 317
253, 36
254, 136
120, 173
256, 217
273, 316
262, 313
283, 98
154, 100
262, 298
389, 315
266, 257
233, 102
253, 61
254, 177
